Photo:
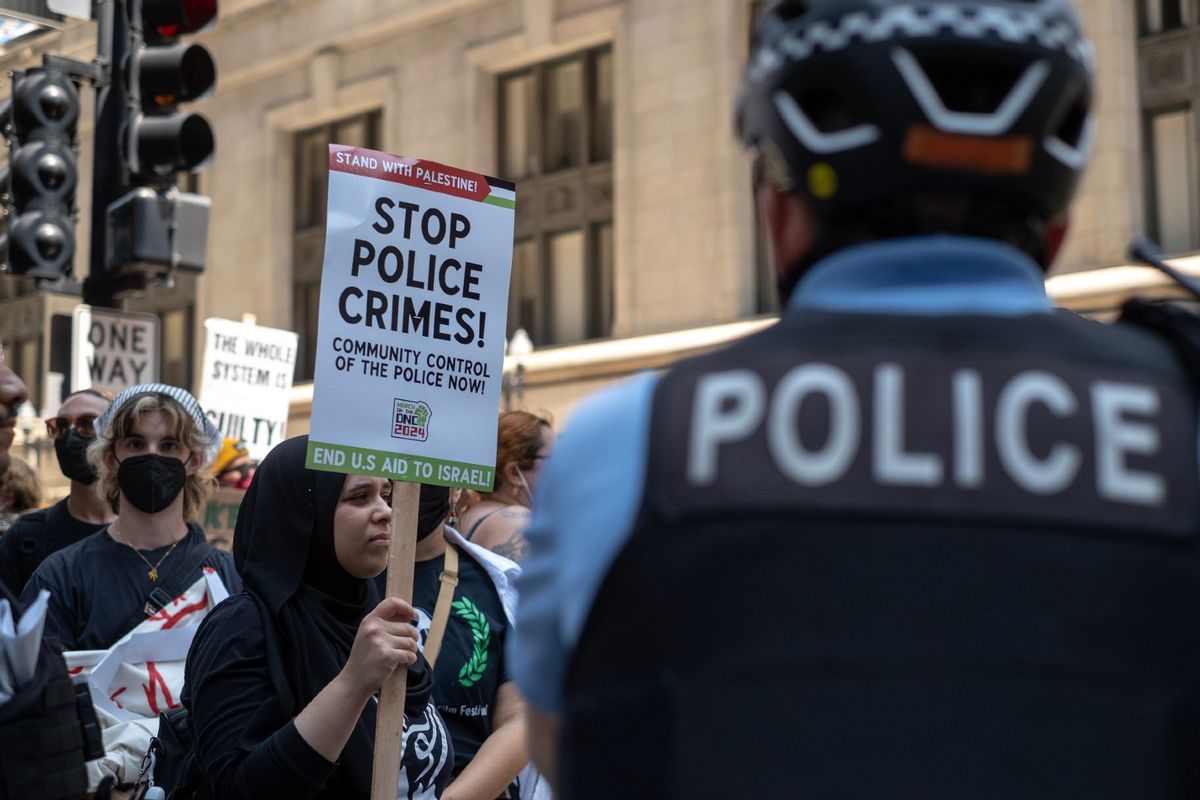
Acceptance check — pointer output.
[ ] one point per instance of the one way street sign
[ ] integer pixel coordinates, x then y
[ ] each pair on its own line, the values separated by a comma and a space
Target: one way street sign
113, 349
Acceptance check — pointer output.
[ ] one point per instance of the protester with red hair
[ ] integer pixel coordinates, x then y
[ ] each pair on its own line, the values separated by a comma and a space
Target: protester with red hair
496, 522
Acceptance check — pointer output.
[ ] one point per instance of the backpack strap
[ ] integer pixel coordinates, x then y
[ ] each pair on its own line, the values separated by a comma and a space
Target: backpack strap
441, 611
30, 549
172, 586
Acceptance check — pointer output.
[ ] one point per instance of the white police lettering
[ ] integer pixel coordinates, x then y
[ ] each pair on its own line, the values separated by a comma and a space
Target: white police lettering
734, 406
891, 464
830, 463
1117, 436
728, 407
1059, 469
968, 429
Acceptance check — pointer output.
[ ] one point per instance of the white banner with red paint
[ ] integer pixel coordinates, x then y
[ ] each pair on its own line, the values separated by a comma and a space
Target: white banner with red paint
142, 674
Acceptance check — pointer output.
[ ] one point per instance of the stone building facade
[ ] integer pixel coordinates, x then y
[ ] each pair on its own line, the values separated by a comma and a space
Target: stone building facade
636, 229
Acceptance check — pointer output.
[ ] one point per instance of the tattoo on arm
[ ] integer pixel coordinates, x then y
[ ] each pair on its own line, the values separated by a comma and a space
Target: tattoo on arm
514, 549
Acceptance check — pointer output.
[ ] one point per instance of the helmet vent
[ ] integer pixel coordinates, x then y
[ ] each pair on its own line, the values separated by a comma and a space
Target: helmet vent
1071, 129
978, 89
773, 21
828, 111
788, 10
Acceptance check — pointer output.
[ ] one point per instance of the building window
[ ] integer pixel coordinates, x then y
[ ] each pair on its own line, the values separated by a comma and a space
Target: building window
308, 222
556, 142
1172, 171
1156, 16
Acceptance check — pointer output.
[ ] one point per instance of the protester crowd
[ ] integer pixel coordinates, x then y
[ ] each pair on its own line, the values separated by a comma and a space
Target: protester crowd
277, 691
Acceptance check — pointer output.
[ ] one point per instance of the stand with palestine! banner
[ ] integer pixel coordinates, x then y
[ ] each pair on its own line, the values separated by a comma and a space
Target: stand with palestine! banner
414, 300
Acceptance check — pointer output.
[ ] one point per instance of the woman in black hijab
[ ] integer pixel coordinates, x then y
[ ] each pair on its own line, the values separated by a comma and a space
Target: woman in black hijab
280, 677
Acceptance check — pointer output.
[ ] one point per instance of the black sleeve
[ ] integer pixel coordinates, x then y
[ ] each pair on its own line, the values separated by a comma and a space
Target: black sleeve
51, 575
230, 697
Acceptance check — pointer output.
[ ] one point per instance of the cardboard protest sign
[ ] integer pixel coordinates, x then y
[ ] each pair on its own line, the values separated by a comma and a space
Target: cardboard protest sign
113, 349
246, 381
414, 299
220, 516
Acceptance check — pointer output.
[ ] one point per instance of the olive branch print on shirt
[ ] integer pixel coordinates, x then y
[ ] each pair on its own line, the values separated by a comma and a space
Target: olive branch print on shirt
481, 634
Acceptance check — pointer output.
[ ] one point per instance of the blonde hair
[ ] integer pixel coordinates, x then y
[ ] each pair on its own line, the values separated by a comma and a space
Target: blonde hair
183, 428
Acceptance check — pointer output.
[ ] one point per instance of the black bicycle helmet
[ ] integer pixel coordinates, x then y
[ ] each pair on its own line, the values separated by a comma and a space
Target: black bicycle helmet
866, 102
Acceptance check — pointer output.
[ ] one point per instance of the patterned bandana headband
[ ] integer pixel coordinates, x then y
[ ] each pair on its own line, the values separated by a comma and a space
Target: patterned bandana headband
208, 431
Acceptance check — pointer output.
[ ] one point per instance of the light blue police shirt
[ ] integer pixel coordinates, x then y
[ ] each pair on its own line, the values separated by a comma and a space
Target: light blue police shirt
590, 489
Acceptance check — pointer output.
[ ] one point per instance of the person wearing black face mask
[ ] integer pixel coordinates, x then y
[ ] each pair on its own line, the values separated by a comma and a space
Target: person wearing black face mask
471, 684
148, 451
37, 534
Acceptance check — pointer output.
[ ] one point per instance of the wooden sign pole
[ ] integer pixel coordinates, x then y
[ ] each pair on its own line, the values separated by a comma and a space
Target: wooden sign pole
389, 722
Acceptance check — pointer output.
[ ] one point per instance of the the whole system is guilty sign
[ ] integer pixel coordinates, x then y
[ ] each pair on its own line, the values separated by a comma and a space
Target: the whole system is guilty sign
414, 299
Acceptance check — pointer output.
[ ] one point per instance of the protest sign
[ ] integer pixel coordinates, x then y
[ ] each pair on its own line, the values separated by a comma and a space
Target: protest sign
220, 516
246, 381
410, 349
414, 299
112, 349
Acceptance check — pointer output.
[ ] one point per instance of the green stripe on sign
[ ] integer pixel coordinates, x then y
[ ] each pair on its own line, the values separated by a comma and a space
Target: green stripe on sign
503, 202
398, 466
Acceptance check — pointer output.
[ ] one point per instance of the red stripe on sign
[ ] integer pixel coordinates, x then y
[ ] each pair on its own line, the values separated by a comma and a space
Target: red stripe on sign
409, 171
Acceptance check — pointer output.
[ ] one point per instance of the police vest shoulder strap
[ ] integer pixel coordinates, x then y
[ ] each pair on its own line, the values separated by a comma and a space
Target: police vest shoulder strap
441, 611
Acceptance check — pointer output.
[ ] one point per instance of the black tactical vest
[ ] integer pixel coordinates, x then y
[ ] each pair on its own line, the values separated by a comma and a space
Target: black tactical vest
44, 738
901, 557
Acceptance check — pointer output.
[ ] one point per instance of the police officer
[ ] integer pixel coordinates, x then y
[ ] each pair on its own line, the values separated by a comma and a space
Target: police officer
925, 537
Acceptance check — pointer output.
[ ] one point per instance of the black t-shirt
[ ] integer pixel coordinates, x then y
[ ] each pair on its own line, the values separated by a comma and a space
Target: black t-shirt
36, 535
471, 666
97, 584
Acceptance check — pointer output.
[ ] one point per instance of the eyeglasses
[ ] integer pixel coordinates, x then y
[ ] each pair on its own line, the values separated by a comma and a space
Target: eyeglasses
85, 426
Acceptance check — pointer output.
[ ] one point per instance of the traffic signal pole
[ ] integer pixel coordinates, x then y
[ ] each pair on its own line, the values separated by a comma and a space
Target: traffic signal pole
142, 227
108, 172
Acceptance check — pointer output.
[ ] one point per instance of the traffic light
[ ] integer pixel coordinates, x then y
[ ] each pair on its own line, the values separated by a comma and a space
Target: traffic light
142, 225
43, 172
164, 72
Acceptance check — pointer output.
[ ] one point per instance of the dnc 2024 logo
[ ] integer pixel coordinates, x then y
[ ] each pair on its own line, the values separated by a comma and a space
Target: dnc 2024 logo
410, 420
